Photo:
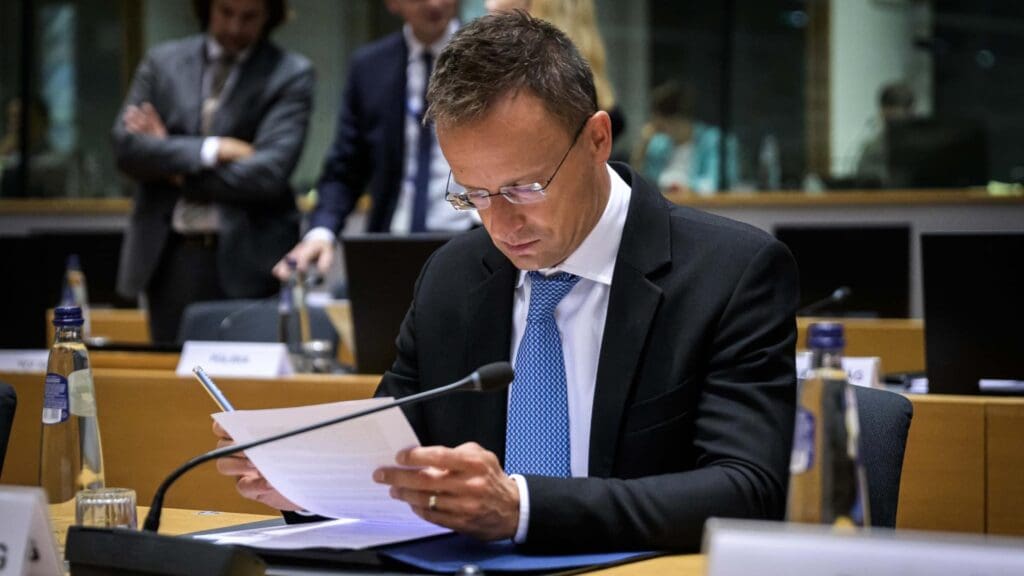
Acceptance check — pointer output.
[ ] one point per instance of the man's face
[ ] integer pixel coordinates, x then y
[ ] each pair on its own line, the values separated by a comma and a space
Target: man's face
520, 142
237, 24
427, 18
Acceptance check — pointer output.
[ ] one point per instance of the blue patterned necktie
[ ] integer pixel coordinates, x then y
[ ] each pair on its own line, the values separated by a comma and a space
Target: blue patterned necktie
537, 436
421, 183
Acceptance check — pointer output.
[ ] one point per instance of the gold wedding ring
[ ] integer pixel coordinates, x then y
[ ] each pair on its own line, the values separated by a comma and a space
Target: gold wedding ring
432, 502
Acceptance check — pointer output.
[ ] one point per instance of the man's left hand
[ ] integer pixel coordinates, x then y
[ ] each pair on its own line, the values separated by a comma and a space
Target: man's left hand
470, 492
145, 120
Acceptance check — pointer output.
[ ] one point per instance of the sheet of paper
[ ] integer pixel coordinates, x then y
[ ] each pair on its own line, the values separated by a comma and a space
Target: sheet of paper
343, 533
329, 471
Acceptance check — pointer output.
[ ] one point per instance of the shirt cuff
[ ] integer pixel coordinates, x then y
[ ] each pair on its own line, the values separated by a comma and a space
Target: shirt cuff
208, 153
524, 509
320, 233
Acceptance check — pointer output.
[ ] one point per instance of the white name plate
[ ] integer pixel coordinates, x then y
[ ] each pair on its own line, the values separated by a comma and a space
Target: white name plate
738, 547
860, 370
24, 361
26, 541
236, 359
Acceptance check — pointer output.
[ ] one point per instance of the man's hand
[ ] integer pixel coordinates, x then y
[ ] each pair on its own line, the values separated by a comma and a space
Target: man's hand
232, 150
144, 120
318, 250
249, 482
470, 492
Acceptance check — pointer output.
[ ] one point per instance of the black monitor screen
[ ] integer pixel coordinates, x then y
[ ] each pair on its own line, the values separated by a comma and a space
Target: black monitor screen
381, 273
973, 309
873, 261
928, 153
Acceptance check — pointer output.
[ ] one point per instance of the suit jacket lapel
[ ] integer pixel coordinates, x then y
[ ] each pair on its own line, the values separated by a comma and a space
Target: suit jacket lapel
632, 303
250, 77
489, 312
192, 77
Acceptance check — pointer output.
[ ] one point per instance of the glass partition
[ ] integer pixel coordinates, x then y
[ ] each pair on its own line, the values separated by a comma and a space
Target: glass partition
727, 96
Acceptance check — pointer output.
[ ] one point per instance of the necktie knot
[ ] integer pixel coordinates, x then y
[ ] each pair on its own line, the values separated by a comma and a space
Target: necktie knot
547, 291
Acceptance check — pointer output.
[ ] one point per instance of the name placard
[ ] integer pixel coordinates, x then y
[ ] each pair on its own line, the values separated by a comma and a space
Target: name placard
743, 547
236, 359
860, 370
24, 361
26, 541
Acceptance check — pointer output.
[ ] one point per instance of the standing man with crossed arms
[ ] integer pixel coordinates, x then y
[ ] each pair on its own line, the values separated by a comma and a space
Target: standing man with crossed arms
382, 146
211, 129
653, 344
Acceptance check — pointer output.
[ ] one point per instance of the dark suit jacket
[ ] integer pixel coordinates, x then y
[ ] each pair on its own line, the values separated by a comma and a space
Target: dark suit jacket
369, 141
269, 107
696, 387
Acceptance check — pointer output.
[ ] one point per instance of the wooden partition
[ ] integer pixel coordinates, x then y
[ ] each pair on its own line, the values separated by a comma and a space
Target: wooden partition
152, 421
963, 471
898, 342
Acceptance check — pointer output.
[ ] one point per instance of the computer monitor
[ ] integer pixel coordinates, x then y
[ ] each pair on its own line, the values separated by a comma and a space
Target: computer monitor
381, 273
973, 310
932, 153
873, 261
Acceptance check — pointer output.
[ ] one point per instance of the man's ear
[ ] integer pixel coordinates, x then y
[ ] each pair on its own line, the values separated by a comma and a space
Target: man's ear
598, 136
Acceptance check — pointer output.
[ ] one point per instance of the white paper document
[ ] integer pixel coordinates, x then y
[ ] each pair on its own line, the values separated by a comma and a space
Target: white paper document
330, 472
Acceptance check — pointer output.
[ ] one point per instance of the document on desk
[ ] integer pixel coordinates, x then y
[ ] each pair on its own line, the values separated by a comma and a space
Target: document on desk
329, 472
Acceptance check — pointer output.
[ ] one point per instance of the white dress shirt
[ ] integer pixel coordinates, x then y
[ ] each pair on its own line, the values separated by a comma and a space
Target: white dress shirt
198, 217
580, 317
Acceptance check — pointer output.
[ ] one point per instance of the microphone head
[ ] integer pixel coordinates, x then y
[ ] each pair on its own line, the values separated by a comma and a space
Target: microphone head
841, 293
493, 376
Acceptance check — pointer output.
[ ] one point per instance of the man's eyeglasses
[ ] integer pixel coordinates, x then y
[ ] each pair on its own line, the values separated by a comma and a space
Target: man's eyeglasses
480, 199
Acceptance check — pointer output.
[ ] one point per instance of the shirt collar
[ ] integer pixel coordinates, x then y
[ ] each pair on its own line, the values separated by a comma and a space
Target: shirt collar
214, 51
594, 259
416, 47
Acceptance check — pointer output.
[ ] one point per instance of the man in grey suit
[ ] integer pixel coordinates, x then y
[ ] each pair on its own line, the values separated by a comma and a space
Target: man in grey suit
212, 129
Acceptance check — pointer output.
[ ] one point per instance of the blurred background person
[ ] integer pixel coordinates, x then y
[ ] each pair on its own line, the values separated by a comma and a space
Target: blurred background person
678, 152
381, 144
211, 129
895, 104
578, 19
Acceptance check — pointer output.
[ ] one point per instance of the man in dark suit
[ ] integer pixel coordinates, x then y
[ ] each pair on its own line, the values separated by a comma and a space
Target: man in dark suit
381, 145
653, 344
212, 128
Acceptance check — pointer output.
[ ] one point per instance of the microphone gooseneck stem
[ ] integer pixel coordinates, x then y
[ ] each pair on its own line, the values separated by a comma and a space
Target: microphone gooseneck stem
152, 523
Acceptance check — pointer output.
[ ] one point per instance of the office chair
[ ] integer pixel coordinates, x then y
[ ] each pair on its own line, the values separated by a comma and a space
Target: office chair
8, 403
884, 425
245, 321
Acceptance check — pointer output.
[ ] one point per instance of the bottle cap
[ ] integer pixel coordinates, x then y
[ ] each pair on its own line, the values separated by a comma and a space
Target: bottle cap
73, 263
825, 335
67, 316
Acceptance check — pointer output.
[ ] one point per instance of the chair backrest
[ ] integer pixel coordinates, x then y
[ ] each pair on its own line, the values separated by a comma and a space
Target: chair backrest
884, 425
245, 321
8, 403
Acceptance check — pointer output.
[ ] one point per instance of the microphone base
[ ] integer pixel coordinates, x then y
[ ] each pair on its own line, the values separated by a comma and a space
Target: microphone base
123, 552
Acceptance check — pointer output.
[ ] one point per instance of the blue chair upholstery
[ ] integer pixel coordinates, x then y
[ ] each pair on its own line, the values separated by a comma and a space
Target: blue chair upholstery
884, 426
8, 404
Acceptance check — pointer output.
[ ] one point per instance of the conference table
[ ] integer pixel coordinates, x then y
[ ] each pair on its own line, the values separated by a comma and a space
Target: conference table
177, 521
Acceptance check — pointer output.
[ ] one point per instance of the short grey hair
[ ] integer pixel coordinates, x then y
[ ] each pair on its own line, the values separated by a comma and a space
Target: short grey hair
502, 53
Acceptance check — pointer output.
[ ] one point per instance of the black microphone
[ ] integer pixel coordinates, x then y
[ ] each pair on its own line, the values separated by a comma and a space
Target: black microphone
837, 296
100, 550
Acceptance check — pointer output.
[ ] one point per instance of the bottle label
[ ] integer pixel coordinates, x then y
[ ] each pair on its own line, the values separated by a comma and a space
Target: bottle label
802, 458
55, 399
80, 391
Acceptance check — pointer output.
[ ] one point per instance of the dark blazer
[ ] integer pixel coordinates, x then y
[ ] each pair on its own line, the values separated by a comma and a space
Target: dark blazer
269, 107
696, 387
369, 141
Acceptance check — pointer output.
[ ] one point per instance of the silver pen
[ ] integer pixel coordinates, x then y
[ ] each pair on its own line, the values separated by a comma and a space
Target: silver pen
213, 390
